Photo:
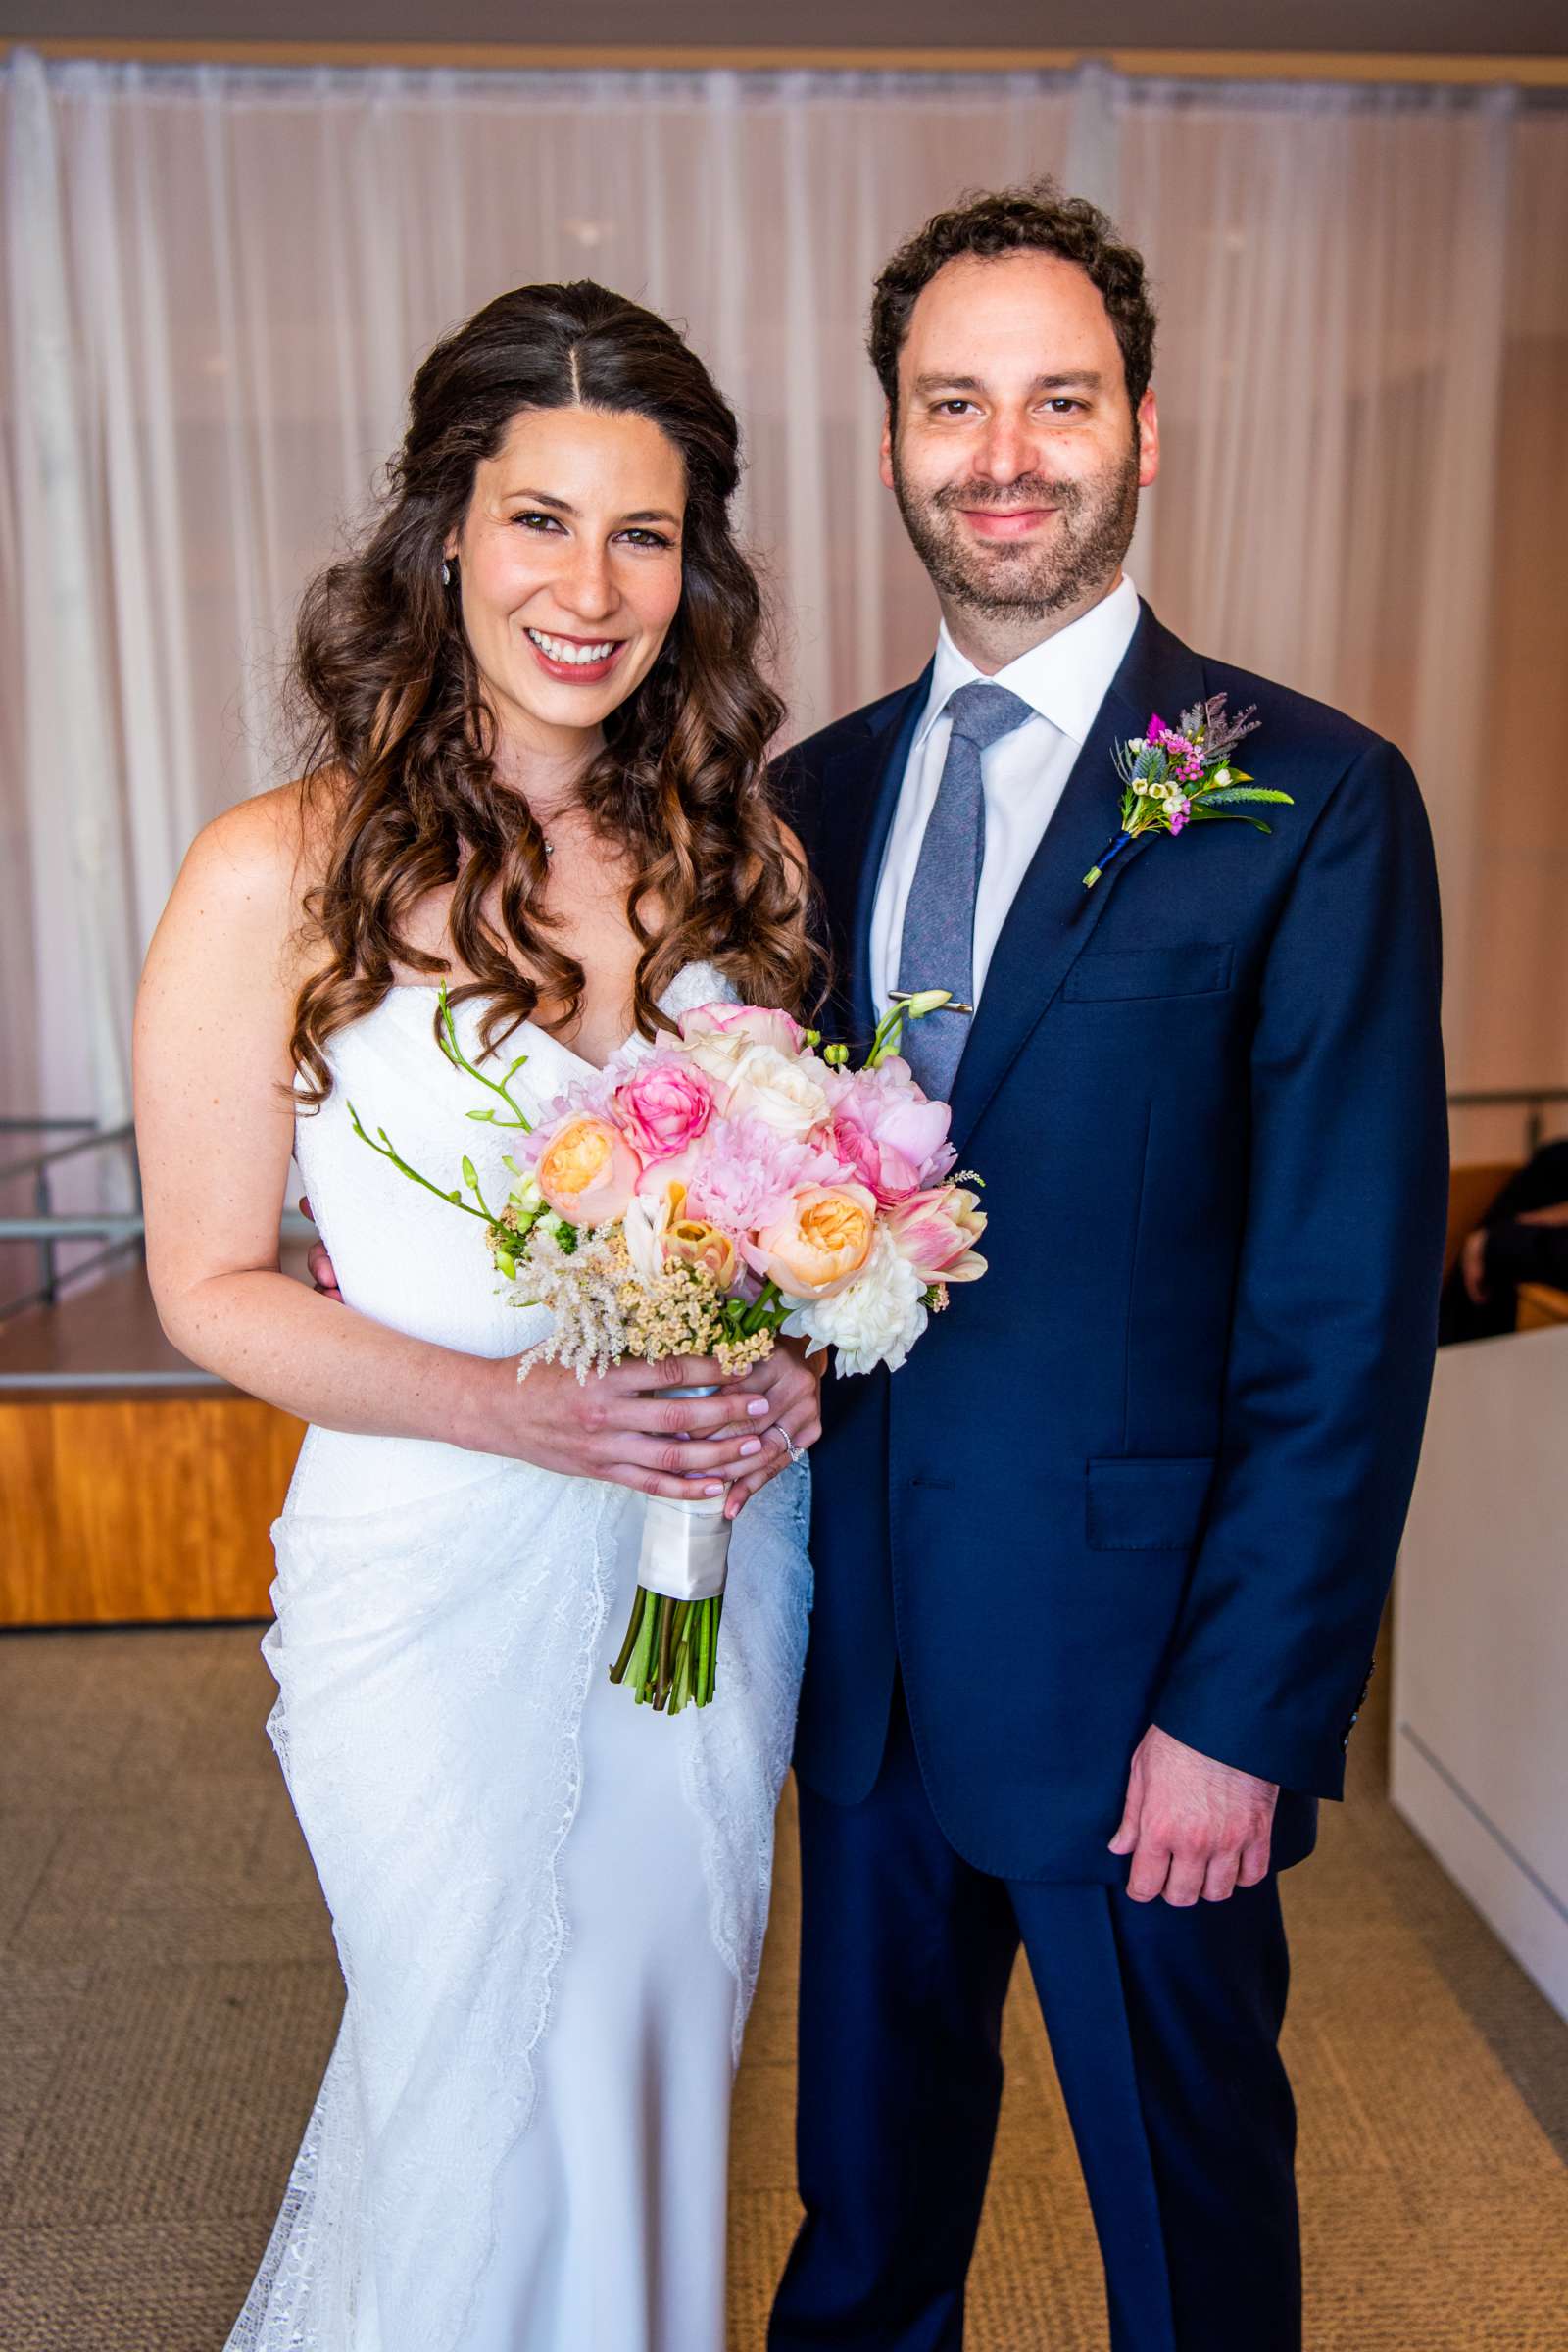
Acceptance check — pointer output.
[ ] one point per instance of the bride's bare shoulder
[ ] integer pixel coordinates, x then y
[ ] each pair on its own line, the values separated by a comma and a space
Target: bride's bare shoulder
253, 868
287, 831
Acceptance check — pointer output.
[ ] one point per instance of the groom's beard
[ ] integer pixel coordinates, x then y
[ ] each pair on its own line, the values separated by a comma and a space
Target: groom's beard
1092, 531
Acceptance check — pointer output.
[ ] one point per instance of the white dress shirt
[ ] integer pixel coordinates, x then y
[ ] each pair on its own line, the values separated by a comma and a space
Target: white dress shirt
1063, 680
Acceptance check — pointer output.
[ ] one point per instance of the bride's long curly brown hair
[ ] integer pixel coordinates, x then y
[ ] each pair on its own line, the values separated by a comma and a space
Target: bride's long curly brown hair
398, 741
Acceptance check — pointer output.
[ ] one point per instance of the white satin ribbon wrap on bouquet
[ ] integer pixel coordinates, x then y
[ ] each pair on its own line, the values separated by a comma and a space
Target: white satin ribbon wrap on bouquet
685, 1554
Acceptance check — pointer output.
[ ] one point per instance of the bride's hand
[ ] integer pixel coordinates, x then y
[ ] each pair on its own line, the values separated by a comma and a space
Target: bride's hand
793, 1386
621, 1427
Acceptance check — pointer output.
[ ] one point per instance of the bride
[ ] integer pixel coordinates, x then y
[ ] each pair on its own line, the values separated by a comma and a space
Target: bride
536, 767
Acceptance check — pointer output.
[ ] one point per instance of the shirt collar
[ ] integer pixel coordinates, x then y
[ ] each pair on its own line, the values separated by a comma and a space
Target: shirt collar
1064, 679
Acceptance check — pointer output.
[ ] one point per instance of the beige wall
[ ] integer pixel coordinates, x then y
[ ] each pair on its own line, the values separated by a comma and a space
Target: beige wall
1518, 1030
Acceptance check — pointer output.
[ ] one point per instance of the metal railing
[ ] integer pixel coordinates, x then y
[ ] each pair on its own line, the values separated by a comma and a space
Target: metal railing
46, 1228
45, 1126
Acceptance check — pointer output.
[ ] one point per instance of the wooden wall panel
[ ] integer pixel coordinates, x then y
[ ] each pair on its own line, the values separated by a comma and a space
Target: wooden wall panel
133, 1509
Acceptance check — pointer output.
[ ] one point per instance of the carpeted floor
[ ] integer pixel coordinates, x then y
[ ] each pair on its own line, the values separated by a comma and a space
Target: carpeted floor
168, 1996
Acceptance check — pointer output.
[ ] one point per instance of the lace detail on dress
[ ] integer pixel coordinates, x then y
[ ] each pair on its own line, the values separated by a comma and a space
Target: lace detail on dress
445, 1895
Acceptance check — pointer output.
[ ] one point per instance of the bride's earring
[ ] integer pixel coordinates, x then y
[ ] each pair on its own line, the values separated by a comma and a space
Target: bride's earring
446, 574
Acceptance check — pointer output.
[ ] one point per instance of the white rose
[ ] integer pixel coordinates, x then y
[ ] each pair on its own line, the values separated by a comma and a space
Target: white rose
873, 1320
785, 1094
718, 1052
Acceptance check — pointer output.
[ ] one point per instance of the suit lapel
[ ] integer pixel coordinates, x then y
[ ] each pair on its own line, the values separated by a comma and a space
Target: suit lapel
861, 786
1052, 917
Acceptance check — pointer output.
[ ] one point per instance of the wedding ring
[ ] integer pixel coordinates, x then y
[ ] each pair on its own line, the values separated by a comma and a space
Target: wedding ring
797, 1453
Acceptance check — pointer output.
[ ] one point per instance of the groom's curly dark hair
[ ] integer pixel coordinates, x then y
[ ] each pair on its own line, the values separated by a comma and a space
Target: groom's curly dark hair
1036, 218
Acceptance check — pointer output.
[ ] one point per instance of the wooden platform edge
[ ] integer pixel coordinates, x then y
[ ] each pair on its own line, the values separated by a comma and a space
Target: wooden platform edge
137, 1511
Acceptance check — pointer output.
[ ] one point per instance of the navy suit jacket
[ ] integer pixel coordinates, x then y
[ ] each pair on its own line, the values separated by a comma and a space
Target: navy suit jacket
1153, 1467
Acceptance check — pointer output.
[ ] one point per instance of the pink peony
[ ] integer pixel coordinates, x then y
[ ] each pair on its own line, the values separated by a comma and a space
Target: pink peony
886, 1130
745, 1174
935, 1233
662, 1107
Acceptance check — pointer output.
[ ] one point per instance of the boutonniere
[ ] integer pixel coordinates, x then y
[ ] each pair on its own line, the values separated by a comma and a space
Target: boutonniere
1178, 776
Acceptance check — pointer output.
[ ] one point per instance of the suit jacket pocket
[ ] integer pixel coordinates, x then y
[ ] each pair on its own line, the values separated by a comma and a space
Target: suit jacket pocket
1152, 1503
1199, 970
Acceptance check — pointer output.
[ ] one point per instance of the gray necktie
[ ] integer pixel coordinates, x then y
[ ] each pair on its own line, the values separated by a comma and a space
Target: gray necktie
937, 950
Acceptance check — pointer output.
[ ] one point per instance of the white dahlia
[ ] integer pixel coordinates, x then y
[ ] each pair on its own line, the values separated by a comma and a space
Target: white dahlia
875, 1319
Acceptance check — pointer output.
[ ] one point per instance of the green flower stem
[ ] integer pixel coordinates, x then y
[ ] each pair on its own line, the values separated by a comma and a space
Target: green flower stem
670, 1655
471, 1177
459, 1061
888, 1029
386, 1149
639, 1610
667, 1654
758, 1315
705, 1655
640, 1667
683, 1673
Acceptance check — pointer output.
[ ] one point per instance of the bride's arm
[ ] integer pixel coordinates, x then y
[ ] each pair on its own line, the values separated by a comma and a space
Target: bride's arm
214, 1134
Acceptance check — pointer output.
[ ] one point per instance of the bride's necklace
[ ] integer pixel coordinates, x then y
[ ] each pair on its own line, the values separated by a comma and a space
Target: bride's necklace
549, 845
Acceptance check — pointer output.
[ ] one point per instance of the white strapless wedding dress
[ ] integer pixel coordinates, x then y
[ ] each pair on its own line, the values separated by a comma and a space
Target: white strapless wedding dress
549, 1902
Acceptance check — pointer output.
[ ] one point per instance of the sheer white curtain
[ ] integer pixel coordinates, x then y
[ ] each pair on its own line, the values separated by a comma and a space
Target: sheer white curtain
219, 282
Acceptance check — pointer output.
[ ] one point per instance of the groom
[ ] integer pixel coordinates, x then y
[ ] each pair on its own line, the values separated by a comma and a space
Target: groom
1099, 1573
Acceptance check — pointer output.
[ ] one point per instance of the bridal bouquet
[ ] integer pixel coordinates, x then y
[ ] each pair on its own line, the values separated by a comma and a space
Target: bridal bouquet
700, 1199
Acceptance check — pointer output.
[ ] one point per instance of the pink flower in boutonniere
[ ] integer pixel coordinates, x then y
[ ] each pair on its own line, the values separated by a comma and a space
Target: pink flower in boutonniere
1173, 777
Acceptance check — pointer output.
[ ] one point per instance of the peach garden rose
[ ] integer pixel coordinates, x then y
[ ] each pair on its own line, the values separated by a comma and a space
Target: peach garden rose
587, 1172
819, 1244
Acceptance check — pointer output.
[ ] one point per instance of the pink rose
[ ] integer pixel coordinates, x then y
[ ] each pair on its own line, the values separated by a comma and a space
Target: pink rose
662, 1107
586, 1170
758, 1024
936, 1232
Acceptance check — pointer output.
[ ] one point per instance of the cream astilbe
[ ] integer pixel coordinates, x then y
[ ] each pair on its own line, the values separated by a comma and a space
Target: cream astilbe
580, 1281
604, 1311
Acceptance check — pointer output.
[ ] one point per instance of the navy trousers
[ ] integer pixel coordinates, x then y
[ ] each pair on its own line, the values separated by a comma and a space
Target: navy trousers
1164, 2025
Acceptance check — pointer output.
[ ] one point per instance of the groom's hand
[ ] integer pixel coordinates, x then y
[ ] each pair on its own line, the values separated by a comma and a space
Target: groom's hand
792, 1383
319, 1265
1192, 1826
